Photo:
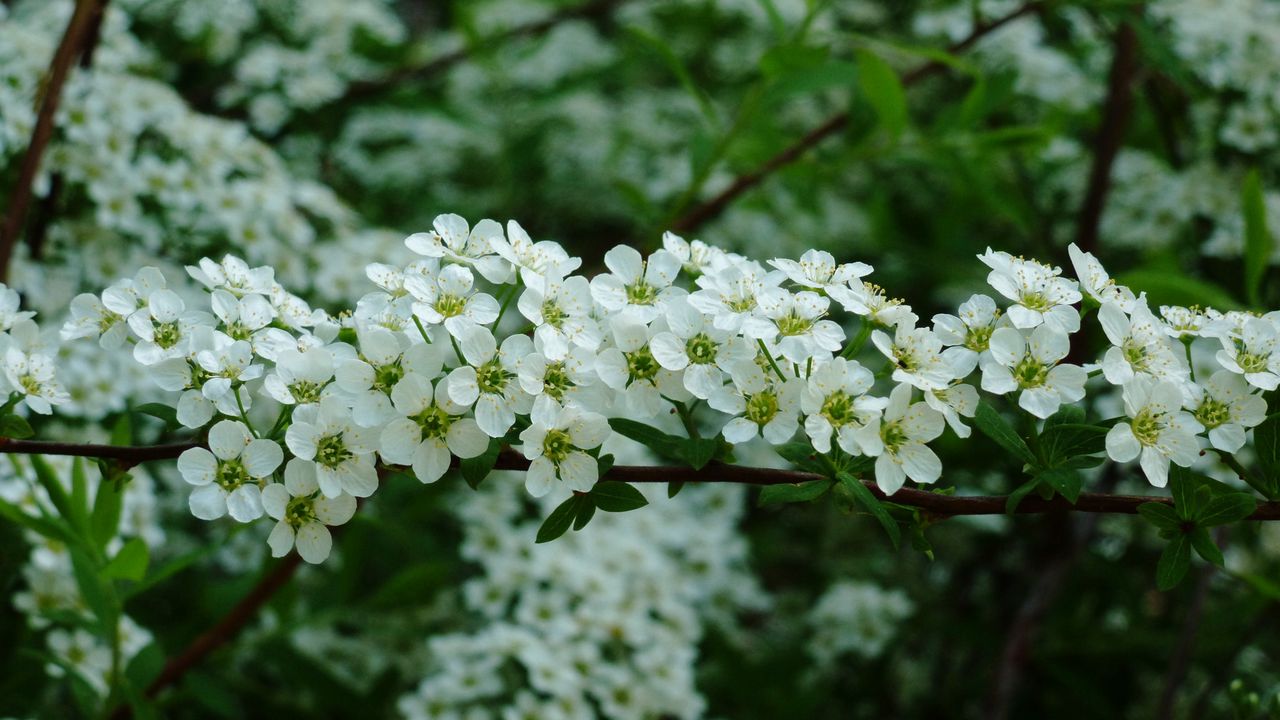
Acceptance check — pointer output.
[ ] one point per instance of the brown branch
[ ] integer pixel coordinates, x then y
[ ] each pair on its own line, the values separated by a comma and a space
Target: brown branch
128, 455
714, 207
1116, 110
81, 31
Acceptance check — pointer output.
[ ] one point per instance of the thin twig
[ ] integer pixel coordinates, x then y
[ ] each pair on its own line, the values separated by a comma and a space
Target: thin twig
714, 207
80, 30
1116, 110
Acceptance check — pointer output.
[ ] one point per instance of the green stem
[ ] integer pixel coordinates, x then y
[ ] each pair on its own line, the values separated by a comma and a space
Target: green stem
457, 350
1186, 344
764, 349
243, 415
860, 340
1260, 486
421, 330
686, 416
506, 301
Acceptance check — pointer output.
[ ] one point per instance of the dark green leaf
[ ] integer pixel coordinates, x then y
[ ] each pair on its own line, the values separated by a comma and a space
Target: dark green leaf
130, 563
1171, 288
1182, 486
96, 592
1065, 441
674, 488
1162, 515
664, 445
604, 464
164, 413
586, 511
1266, 446
803, 456
1066, 415
1174, 562
994, 426
15, 426
883, 89
476, 469
1066, 482
872, 504
697, 452
1203, 542
1258, 244
1227, 508
105, 518
614, 496
1023, 490
919, 542
62, 502
558, 522
792, 493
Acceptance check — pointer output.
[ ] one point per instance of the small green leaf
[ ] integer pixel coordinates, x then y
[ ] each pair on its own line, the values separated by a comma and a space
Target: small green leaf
993, 425
1227, 508
872, 504
1066, 482
803, 456
1205, 547
1258, 244
107, 505
476, 469
793, 493
919, 542
1182, 486
62, 502
883, 89
165, 413
558, 522
130, 563
586, 511
1162, 515
614, 496
697, 452
674, 488
1064, 442
1023, 490
604, 464
94, 588
1174, 562
1266, 446
15, 426
662, 444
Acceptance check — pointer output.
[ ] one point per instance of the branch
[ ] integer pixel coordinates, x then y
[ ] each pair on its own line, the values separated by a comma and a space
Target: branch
714, 207
1115, 120
128, 455
82, 30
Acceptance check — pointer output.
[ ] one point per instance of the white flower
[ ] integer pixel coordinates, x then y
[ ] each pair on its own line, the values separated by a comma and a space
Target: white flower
795, 323
703, 353
1096, 283
369, 378
697, 257
817, 269
954, 402
431, 428
1140, 345
300, 377
447, 298
555, 442
969, 331
1184, 323
729, 295
489, 380
631, 368
870, 301
1252, 352
229, 475
302, 515
162, 326
759, 405
33, 376
455, 241
10, 304
90, 318
1030, 364
342, 452
560, 311
565, 378
917, 357
1226, 407
835, 404
226, 362
897, 442
241, 316
1039, 292
635, 284
543, 259
1158, 430
233, 275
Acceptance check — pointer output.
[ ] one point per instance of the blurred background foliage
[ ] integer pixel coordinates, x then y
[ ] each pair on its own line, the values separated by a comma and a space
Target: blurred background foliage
313, 135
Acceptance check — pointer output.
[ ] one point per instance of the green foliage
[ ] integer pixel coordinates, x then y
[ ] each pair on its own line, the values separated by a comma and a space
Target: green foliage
1258, 244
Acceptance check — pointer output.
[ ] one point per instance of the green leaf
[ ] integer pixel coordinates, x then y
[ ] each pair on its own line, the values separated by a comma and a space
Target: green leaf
1162, 515
94, 588
883, 89
1066, 482
62, 502
558, 522
1227, 508
678, 68
919, 542
674, 488
697, 452
1266, 446
872, 504
107, 505
1023, 490
586, 511
614, 496
993, 425
130, 563
1258, 243
1066, 415
1174, 562
45, 526
15, 426
1171, 288
663, 444
476, 469
1183, 486
793, 493
1066, 441
604, 464
165, 413
1205, 547
803, 456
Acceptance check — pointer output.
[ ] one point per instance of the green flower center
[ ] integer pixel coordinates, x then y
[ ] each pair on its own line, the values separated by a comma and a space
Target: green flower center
552, 314
299, 512
904, 359
492, 378
385, 377
1030, 372
557, 446
238, 331
231, 474
167, 334
893, 435
305, 391
742, 304
641, 293
701, 349
1135, 354
331, 452
641, 366
1035, 301
838, 409
434, 422
761, 407
1146, 426
107, 321
1252, 362
978, 338
451, 305
1213, 413
30, 385
793, 324
556, 381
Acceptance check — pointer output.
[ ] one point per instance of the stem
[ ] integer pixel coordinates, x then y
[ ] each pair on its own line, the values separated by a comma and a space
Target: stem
686, 416
1186, 344
457, 350
506, 302
1230, 461
769, 357
421, 330
243, 415
854, 347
